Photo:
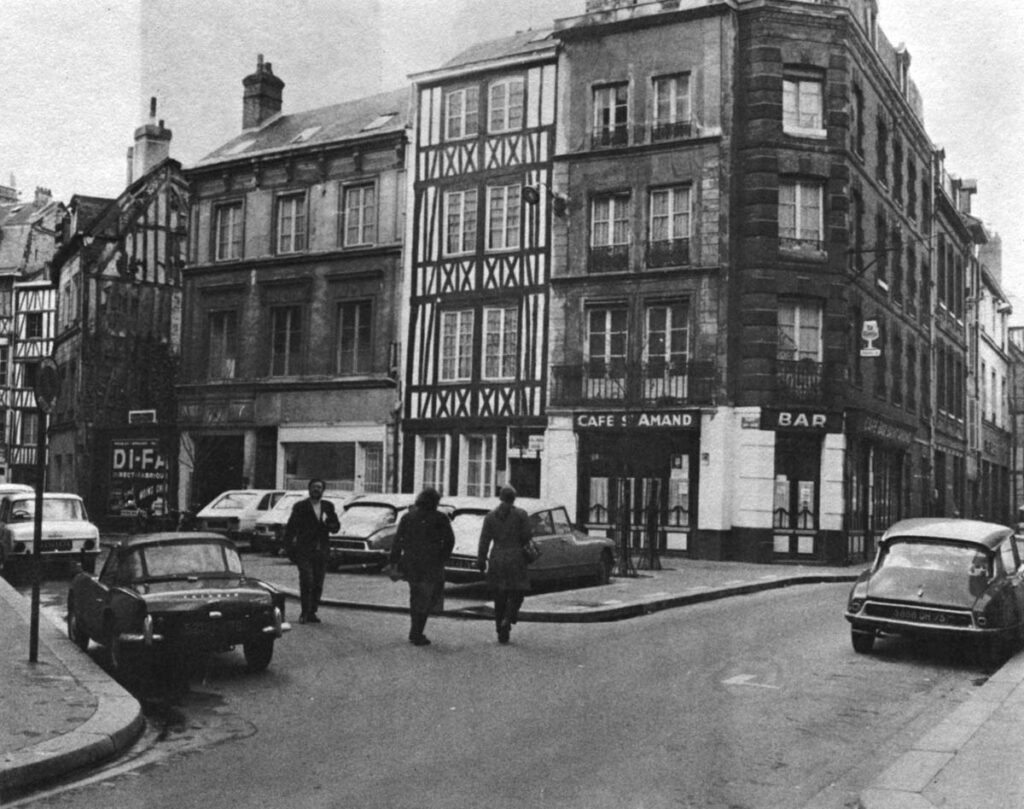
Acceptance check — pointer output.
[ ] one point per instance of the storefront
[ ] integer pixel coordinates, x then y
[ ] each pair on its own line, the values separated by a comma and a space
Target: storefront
638, 477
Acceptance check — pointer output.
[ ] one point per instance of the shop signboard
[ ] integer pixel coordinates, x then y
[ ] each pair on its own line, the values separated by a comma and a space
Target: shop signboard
138, 473
801, 419
597, 421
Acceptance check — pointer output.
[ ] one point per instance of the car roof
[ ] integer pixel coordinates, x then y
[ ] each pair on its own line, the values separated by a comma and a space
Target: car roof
978, 532
46, 495
171, 537
485, 504
393, 499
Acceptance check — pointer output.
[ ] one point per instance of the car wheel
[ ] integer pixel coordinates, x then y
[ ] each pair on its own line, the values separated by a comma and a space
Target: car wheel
605, 568
75, 632
258, 653
863, 642
993, 652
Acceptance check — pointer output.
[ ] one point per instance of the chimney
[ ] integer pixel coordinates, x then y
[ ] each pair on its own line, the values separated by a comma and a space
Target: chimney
43, 196
152, 145
262, 97
968, 188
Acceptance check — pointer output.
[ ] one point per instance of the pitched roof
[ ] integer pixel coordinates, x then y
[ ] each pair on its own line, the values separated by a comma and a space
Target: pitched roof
350, 120
521, 43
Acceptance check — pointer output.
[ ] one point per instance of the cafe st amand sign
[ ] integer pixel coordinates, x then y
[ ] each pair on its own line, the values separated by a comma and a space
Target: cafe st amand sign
598, 420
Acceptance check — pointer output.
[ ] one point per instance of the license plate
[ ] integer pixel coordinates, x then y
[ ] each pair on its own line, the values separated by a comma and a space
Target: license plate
56, 545
920, 616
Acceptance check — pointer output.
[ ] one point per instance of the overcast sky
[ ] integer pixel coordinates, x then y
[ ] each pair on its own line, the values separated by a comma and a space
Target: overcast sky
78, 75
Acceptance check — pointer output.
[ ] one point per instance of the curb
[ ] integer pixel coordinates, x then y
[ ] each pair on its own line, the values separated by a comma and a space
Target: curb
113, 727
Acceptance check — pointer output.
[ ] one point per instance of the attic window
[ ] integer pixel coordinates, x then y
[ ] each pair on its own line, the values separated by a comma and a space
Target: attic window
379, 121
306, 134
239, 147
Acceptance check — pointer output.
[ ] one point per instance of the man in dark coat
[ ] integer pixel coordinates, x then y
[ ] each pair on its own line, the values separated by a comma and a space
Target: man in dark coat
306, 535
506, 528
423, 543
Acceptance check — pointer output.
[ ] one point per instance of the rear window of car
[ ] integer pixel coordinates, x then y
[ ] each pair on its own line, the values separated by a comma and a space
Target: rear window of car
239, 501
363, 520
949, 557
197, 558
467, 524
53, 509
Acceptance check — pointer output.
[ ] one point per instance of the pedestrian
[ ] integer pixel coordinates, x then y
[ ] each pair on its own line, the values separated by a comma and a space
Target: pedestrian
306, 538
507, 529
423, 543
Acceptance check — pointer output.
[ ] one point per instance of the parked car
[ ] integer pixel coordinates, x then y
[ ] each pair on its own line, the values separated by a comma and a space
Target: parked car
66, 533
234, 512
565, 551
268, 534
368, 526
949, 578
161, 597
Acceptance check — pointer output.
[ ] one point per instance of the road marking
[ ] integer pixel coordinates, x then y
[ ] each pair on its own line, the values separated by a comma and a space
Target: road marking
747, 679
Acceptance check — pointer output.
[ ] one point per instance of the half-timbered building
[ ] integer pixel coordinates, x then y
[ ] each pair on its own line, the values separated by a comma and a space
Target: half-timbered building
479, 268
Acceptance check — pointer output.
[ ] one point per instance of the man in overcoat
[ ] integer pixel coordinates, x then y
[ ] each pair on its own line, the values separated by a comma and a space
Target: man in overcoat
306, 535
505, 532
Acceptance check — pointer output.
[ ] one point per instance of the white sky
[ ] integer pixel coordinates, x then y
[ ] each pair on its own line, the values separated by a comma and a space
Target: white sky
78, 74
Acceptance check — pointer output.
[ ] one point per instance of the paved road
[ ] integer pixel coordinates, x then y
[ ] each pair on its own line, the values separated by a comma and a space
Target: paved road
748, 703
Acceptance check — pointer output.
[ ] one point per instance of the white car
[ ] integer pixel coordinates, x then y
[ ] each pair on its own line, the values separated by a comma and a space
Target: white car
269, 532
67, 535
234, 512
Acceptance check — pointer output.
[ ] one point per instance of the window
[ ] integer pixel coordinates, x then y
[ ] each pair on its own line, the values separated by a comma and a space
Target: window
857, 215
800, 214
857, 124
611, 115
33, 325
911, 188
223, 346
479, 465
456, 345
671, 107
505, 105
897, 266
669, 227
29, 428
881, 248
354, 337
462, 113
286, 340
434, 461
897, 368
666, 350
501, 343
911, 376
504, 203
609, 233
359, 206
882, 150
460, 221
606, 351
802, 107
897, 169
799, 330
291, 223
228, 231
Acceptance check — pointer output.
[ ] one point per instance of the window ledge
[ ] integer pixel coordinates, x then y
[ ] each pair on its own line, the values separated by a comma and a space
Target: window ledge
800, 132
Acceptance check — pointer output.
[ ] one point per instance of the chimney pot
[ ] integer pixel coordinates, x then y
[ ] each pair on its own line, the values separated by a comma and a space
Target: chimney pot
262, 95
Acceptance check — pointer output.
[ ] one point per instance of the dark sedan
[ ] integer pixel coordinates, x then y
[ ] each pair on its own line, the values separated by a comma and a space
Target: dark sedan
949, 578
161, 597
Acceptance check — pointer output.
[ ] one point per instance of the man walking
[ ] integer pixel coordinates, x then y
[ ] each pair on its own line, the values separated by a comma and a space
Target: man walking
508, 529
306, 535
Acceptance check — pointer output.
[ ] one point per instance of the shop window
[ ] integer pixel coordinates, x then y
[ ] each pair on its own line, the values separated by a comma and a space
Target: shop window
462, 113
504, 213
460, 221
795, 507
348, 466
456, 345
479, 454
501, 342
803, 102
433, 457
505, 105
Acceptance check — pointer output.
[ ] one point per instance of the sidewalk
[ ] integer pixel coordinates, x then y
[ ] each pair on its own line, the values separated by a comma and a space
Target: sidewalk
64, 713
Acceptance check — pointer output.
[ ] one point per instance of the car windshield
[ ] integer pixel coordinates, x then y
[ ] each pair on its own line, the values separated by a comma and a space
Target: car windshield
237, 501
466, 526
178, 560
53, 509
363, 519
948, 557
284, 505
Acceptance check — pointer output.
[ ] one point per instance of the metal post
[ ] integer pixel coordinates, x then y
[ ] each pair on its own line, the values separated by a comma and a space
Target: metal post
37, 541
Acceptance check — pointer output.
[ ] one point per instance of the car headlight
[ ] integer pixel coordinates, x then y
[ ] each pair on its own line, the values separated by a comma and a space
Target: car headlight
855, 605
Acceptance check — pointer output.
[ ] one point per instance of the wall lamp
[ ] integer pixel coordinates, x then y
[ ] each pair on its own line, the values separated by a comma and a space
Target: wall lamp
559, 202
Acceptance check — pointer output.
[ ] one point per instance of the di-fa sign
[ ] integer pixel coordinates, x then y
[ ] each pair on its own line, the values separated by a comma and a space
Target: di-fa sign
47, 385
869, 333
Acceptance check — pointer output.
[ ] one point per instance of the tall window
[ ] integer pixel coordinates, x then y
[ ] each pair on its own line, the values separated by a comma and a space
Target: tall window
360, 210
33, 325
355, 342
223, 347
666, 350
286, 342
501, 342
897, 168
504, 204
799, 330
669, 227
606, 342
434, 455
505, 105
671, 107
456, 345
802, 107
881, 247
228, 231
611, 115
857, 122
480, 465
373, 466
291, 223
609, 233
882, 150
462, 113
800, 213
460, 221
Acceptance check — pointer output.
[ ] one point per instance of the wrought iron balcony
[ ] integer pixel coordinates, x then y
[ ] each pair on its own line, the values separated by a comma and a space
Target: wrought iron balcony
613, 258
658, 132
605, 136
656, 382
806, 381
668, 253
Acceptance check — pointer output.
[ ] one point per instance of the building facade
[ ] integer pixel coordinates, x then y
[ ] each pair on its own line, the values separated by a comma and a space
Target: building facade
292, 331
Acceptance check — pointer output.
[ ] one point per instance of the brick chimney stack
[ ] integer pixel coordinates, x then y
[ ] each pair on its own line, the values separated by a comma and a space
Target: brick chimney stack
152, 145
262, 97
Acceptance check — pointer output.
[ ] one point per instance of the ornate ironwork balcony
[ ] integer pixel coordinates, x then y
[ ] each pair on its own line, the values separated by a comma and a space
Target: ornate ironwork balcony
614, 258
806, 381
668, 253
658, 383
606, 136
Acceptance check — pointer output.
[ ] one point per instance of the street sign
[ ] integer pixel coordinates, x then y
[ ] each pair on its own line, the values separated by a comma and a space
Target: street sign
535, 443
47, 385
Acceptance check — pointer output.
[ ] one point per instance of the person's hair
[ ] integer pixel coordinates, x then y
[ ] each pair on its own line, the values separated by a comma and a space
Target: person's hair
321, 481
428, 498
507, 494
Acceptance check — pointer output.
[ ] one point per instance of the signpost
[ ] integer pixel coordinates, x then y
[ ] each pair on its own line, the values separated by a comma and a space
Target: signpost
47, 390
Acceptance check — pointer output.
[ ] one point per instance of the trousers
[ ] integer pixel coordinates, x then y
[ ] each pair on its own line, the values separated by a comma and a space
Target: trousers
312, 570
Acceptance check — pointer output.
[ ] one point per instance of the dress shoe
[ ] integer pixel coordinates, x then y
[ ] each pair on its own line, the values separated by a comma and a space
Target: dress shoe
303, 619
503, 635
421, 640
312, 619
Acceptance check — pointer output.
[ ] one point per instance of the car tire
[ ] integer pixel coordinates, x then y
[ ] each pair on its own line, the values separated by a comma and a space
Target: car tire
863, 642
258, 653
605, 568
992, 653
77, 635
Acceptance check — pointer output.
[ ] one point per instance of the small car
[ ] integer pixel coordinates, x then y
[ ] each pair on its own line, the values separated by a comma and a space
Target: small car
161, 597
368, 526
67, 535
267, 536
949, 578
234, 512
565, 552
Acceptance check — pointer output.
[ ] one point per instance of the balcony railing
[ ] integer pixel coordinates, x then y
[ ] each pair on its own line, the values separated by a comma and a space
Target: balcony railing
668, 253
657, 382
605, 136
807, 381
611, 258
678, 130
